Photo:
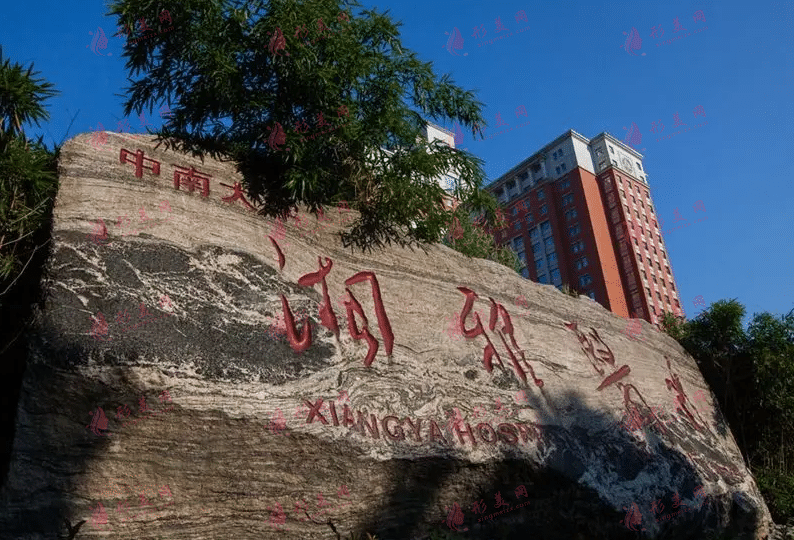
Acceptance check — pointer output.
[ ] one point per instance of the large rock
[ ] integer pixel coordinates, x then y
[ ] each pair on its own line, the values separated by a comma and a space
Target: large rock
162, 398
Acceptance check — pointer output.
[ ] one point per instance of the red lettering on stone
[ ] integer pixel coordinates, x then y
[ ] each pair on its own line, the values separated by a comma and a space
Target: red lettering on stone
508, 432
372, 428
400, 435
526, 430
489, 351
191, 179
314, 410
623, 371
138, 162
347, 418
674, 383
433, 430
415, 429
483, 437
327, 315
305, 341
468, 432
237, 195
604, 355
632, 408
352, 306
280, 253
333, 413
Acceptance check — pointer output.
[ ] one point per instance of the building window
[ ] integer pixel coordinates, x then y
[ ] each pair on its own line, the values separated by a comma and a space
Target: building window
585, 280
562, 166
539, 265
573, 230
570, 214
542, 279
567, 199
517, 225
659, 296
515, 210
541, 195
522, 258
558, 170
518, 243
560, 151
638, 165
565, 184
599, 152
581, 263
555, 276
545, 228
577, 246
591, 294
552, 257
611, 150
554, 155
648, 293
601, 165
549, 244
544, 210
525, 272
667, 299
645, 245
529, 220
536, 249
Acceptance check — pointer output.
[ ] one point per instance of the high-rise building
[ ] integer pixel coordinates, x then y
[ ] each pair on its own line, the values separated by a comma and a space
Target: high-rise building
580, 213
449, 180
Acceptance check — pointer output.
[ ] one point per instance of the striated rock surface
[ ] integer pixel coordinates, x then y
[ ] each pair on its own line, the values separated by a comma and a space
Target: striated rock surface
200, 372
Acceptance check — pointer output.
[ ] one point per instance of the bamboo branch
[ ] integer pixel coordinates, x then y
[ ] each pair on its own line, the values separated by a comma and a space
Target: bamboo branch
26, 265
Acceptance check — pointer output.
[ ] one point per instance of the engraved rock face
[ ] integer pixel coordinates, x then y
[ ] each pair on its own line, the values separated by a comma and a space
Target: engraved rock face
362, 407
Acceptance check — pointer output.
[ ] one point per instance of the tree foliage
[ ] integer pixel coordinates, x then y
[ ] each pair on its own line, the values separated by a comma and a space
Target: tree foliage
28, 179
245, 79
752, 375
470, 238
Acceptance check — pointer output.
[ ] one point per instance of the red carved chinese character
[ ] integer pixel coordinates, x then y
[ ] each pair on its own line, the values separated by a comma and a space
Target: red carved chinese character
138, 161
305, 341
238, 194
507, 328
99, 421
632, 408
384, 325
606, 358
674, 383
191, 179
327, 315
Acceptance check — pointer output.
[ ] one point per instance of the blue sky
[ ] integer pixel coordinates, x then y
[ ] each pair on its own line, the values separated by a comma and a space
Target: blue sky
569, 70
